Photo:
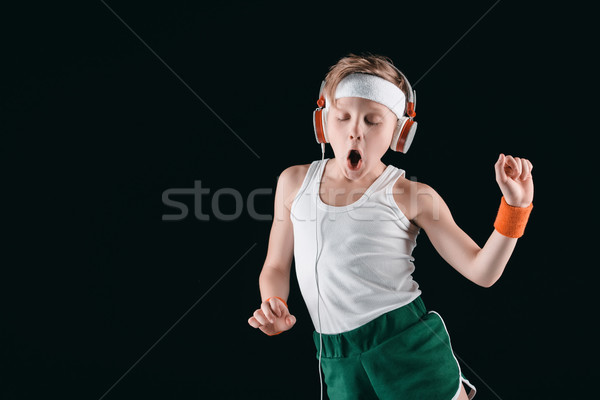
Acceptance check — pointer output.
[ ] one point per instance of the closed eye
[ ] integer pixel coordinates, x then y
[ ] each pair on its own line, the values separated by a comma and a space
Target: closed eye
366, 121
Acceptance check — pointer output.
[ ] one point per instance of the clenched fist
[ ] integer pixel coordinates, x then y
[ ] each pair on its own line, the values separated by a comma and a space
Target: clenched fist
513, 175
273, 317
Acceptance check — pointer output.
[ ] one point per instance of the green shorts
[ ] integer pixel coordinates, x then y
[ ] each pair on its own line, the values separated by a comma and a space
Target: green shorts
403, 354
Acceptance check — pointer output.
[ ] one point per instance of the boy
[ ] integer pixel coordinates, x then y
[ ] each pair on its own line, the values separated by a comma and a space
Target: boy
376, 337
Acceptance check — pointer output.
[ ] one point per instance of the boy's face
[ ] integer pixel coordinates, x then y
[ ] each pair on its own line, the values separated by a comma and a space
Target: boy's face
359, 124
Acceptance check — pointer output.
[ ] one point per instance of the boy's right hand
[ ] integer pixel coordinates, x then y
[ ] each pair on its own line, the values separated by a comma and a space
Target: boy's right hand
273, 317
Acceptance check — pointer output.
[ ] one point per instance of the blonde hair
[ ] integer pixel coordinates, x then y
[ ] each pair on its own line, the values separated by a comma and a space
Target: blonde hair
365, 63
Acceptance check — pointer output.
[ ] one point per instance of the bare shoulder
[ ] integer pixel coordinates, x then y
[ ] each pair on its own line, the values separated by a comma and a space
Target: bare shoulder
290, 180
412, 196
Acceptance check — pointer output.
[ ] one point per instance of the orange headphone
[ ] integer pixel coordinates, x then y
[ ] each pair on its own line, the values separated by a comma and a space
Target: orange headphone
405, 130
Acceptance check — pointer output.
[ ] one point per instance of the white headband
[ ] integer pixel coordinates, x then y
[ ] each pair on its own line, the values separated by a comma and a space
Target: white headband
373, 88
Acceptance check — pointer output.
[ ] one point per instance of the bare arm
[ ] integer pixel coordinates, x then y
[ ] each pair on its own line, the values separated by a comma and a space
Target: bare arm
274, 279
483, 266
493, 257
273, 317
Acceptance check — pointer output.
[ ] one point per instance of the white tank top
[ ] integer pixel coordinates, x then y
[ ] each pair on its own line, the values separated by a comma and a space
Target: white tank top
365, 264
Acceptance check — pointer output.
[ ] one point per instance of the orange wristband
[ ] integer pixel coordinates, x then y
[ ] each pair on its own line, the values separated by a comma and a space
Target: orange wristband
285, 306
511, 220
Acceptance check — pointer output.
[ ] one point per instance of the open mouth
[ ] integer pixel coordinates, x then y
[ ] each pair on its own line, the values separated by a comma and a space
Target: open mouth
354, 160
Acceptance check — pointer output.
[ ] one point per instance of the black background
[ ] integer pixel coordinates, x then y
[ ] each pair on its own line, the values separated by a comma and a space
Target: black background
97, 127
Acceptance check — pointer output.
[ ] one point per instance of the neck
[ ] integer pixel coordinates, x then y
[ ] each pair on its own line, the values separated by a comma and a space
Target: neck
335, 172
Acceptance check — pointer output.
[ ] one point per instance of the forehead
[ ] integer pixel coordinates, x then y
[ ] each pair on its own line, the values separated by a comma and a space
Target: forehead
349, 103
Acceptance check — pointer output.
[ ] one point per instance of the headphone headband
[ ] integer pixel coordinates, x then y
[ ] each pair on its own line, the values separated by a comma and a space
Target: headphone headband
412, 95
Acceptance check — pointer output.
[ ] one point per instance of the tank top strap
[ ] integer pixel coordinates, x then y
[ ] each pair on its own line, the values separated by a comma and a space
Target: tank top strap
387, 179
311, 178
319, 170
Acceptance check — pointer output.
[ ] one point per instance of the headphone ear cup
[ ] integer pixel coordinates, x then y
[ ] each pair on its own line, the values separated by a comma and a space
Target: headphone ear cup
319, 124
404, 134
396, 134
410, 128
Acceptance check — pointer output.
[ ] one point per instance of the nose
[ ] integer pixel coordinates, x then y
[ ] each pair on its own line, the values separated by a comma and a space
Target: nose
355, 132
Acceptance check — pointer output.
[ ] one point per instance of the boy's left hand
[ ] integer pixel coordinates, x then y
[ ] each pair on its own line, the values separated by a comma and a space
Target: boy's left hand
513, 175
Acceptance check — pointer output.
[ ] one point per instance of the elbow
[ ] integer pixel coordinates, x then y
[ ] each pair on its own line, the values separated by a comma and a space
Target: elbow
484, 277
488, 283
